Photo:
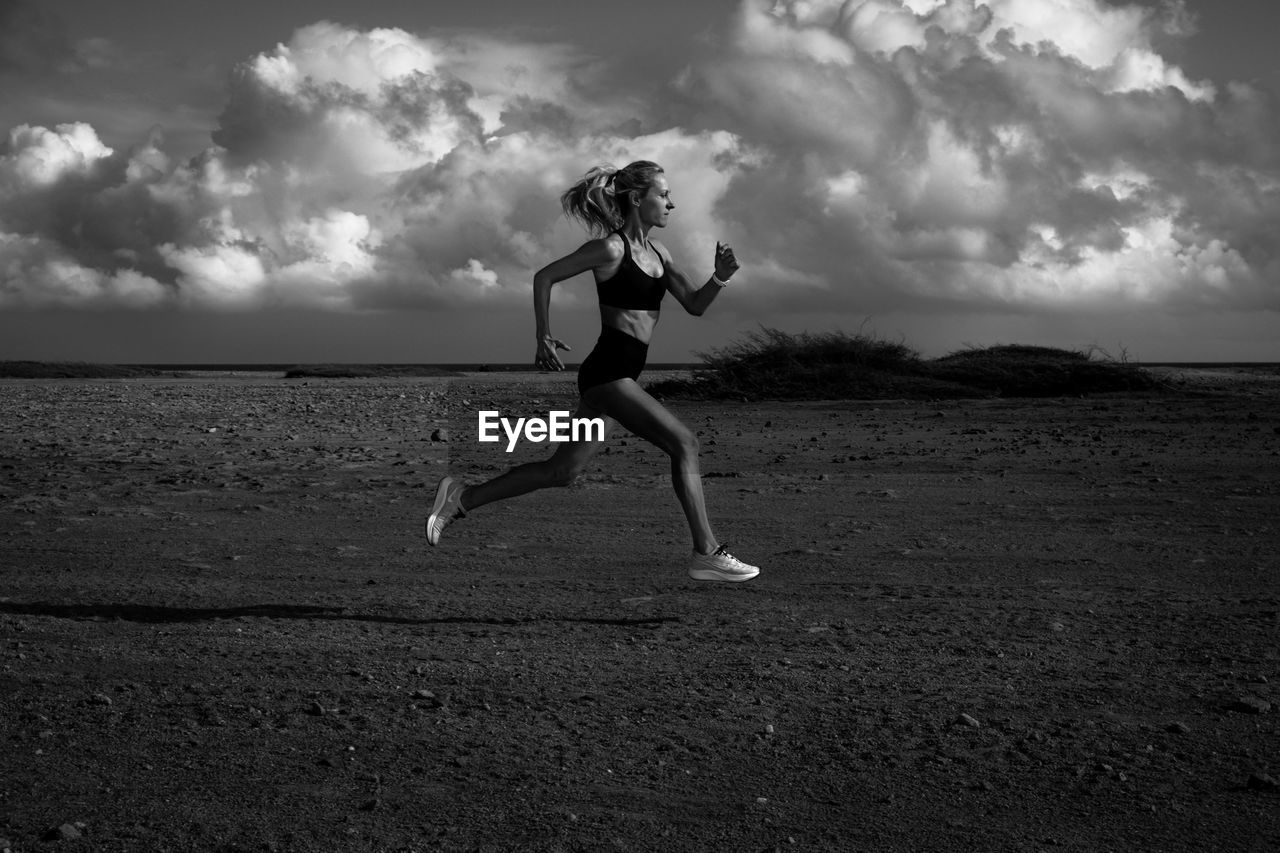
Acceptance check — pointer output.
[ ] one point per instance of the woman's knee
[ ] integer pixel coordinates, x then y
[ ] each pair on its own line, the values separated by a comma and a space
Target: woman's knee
683, 442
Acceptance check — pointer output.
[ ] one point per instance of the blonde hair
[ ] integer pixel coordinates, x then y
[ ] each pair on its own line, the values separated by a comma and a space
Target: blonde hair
601, 199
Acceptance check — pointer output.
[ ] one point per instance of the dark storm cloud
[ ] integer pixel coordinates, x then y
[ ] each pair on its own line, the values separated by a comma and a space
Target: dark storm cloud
33, 40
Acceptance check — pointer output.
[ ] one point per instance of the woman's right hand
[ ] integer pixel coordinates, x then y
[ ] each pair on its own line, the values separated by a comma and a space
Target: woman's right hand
545, 358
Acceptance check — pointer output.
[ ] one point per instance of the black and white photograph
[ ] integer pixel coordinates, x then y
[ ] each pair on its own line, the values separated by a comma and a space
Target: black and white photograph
733, 425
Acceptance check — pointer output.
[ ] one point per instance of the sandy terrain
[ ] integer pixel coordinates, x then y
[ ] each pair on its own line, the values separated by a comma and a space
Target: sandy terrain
981, 625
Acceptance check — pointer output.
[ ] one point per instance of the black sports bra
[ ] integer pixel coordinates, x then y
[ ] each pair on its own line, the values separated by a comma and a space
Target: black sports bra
632, 287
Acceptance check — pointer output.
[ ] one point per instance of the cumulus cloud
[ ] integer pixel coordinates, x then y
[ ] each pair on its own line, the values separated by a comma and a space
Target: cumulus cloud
39, 157
350, 169
861, 154
1016, 153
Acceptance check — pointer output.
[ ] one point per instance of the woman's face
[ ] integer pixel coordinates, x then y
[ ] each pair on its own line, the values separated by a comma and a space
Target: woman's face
656, 205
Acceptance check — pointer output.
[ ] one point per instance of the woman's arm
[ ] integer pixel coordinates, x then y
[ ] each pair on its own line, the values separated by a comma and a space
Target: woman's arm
589, 256
696, 300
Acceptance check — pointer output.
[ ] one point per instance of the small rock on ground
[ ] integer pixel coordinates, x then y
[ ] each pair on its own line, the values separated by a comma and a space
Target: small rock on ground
1262, 782
1250, 705
66, 832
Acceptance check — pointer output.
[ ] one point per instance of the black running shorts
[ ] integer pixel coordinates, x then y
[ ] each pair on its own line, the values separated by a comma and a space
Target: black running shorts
617, 355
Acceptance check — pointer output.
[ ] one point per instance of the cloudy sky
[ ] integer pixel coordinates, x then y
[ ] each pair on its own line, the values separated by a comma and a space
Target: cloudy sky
223, 180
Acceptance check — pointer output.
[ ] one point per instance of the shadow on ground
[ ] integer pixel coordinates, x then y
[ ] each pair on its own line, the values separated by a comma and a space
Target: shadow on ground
152, 614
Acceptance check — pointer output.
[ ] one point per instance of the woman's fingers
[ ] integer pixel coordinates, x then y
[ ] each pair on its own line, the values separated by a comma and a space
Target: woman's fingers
546, 357
726, 261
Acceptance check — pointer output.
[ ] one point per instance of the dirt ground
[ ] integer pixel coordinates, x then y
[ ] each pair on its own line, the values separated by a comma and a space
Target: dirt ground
981, 625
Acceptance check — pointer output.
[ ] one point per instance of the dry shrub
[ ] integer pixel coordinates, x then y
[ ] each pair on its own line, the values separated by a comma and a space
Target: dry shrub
775, 365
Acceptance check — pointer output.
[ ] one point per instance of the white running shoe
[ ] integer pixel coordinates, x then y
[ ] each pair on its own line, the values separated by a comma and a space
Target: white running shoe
720, 565
447, 508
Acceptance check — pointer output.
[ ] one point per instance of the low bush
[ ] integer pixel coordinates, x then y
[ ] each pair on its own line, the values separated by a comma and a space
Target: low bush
1017, 370
775, 365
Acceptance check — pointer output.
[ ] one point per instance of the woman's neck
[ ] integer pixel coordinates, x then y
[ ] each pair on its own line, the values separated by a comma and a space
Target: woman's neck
635, 230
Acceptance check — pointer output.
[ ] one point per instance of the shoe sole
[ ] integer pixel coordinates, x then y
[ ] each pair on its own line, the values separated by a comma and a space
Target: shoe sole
700, 574
442, 497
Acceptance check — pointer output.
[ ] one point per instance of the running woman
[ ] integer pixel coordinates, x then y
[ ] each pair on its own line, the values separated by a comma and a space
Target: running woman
633, 273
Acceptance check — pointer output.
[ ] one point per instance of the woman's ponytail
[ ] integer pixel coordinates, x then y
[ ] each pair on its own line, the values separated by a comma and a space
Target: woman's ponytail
591, 201
601, 199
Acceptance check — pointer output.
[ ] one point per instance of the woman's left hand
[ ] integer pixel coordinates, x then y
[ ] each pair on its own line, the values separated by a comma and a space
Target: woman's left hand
726, 263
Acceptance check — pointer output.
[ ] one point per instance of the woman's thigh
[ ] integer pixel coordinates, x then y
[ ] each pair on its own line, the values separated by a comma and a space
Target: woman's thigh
575, 454
630, 405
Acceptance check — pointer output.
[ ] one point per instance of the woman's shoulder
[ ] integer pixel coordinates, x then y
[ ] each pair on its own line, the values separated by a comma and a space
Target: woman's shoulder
598, 252
612, 246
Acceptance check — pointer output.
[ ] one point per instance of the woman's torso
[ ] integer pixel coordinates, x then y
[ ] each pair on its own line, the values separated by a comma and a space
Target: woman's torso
631, 292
